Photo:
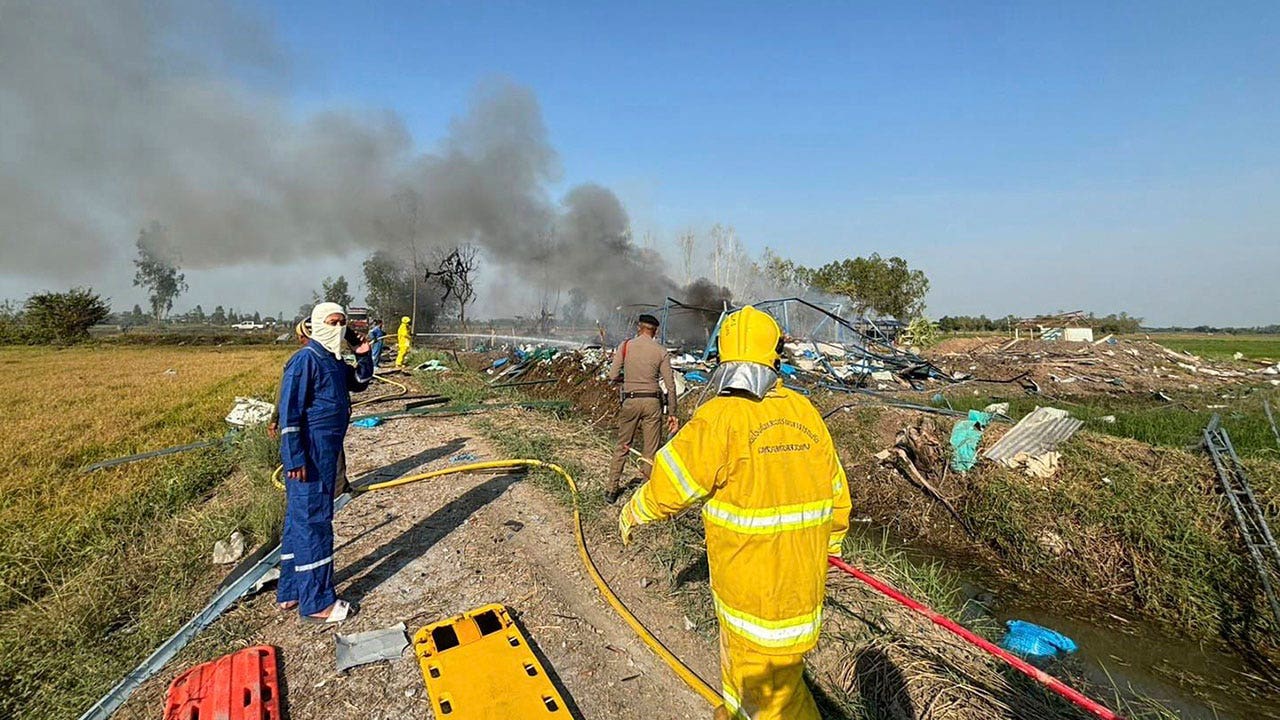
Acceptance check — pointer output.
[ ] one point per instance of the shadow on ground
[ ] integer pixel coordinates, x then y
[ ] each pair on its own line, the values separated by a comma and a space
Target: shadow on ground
377, 566
570, 704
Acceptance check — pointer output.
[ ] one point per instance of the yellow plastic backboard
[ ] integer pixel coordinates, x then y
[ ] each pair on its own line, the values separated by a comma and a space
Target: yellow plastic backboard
478, 665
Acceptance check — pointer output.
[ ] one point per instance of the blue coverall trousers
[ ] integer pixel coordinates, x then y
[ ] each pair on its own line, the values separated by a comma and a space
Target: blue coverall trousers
306, 547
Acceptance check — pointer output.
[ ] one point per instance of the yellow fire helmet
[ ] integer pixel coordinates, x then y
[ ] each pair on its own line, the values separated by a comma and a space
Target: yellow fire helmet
749, 335
404, 319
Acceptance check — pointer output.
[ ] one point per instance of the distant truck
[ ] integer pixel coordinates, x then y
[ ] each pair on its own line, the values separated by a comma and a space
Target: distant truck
248, 325
358, 319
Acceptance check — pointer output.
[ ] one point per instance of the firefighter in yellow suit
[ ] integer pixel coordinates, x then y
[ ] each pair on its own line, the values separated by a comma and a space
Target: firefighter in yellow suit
775, 504
403, 340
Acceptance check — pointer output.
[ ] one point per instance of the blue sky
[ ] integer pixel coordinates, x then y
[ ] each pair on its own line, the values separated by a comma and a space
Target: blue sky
1030, 158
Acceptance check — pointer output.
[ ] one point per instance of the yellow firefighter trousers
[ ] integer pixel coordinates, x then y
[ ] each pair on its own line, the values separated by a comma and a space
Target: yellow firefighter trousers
400, 353
762, 687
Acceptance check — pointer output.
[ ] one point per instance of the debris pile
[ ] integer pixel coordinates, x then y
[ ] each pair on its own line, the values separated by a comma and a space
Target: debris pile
1108, 365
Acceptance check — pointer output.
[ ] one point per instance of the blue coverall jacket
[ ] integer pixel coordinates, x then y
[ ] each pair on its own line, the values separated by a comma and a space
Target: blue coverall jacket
375, 336
315, 409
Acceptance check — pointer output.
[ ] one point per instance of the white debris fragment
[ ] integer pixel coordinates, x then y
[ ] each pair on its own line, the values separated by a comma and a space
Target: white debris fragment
230, 550
249, 412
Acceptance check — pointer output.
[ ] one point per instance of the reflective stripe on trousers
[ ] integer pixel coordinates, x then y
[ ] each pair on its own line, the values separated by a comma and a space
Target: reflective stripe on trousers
776, 634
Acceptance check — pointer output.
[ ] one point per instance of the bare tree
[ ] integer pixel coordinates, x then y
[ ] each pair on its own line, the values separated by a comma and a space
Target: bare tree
688, 243
455, 272
717, 253
409, 203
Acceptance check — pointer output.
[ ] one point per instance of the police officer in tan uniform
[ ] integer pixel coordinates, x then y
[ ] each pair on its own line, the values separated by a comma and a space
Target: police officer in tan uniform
639, 363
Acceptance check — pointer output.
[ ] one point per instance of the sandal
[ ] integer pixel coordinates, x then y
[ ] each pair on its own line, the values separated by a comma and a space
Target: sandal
341, 610
286, 606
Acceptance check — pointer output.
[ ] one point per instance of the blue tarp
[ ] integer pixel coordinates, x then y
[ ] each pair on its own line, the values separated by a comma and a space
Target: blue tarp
965, 437
1030, 640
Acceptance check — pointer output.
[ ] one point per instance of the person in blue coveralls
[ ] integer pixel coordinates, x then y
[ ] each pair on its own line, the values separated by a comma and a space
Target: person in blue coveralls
375, 336
315, 409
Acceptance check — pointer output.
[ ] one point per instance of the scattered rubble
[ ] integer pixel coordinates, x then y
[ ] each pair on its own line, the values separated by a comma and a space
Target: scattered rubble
1113, 366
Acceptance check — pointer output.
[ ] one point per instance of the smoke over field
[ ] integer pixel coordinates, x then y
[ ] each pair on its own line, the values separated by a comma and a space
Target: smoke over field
115, 115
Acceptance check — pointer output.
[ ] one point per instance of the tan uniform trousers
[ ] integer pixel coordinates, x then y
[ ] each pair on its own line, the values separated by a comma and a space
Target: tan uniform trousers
642, 416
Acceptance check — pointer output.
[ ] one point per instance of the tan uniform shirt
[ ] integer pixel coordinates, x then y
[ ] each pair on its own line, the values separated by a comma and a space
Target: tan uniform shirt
646, 361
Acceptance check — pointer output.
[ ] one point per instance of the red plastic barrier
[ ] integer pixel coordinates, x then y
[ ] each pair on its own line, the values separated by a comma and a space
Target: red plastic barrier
241, 686
1075, 697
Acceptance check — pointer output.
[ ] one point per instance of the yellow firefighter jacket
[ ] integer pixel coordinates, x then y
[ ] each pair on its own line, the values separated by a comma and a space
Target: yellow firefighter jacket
776, 504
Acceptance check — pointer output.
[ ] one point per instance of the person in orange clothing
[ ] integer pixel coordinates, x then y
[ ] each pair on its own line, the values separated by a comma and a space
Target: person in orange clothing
775, 504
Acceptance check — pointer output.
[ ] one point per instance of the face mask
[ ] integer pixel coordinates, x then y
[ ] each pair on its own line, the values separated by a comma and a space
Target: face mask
330, 336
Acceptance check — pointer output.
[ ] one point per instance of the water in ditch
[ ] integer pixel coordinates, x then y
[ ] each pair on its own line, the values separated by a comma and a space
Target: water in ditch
1198, 681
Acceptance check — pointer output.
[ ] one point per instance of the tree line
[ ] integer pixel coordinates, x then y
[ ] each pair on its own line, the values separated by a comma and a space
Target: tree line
1115, 323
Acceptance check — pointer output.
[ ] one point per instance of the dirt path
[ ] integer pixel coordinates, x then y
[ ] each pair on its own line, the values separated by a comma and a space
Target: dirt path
428, 550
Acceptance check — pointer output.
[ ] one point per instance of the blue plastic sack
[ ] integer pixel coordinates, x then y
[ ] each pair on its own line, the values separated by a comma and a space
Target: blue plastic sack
1030, 640
695, 376
369, 422
787, 370
965, 437
499, 362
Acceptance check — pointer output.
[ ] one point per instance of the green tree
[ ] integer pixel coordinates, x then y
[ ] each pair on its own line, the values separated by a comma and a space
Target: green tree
575, 311
785, 275
334, 291
887, 287
198, 315
157, 270
219, 316
65, 316
257, 317
388, 290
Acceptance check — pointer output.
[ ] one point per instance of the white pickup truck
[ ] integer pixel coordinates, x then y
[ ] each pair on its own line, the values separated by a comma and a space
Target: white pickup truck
248, 325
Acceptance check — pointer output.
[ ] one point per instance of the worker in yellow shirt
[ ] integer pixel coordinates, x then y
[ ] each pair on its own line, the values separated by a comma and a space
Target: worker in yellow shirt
775, 504
404, 338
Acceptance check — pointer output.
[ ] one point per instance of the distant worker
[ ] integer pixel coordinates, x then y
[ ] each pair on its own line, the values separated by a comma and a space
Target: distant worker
315, 410
639, 363
776, 503
376, 334
404, 339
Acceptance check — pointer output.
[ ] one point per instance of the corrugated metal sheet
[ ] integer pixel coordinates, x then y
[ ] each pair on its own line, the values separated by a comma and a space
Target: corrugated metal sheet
1037, 433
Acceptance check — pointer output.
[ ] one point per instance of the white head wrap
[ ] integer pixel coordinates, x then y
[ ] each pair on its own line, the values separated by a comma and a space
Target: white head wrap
330, 336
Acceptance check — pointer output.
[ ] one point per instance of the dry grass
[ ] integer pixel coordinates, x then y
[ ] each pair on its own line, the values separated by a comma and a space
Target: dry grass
96, 569
70, 408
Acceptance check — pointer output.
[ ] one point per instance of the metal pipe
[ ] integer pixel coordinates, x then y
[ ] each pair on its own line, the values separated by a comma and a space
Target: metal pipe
515, 338
1266, 406
151, 454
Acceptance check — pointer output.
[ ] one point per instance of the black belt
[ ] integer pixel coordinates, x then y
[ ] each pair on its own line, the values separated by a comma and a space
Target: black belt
632, 395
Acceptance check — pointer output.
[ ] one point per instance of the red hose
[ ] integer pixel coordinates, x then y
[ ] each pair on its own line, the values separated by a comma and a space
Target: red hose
1022, 666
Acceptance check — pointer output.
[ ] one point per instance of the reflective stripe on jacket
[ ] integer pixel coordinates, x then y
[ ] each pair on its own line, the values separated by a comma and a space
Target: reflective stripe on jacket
776, 504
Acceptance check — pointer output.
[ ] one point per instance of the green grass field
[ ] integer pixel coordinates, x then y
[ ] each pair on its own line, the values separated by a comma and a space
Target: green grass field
1224, 347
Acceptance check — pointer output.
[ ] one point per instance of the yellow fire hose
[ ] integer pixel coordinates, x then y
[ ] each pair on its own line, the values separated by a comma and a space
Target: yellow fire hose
685, 673
404, 390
